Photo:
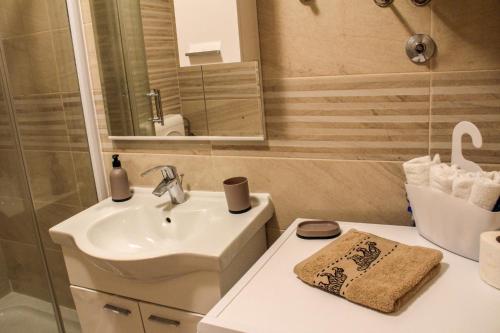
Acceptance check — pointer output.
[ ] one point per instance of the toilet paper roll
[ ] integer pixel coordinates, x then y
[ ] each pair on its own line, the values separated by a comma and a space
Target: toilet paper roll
489, 258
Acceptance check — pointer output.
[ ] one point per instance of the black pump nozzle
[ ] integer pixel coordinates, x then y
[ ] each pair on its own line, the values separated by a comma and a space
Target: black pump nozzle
116, 161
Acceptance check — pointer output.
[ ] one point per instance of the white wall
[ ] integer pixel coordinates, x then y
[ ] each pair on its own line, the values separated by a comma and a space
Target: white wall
201, 21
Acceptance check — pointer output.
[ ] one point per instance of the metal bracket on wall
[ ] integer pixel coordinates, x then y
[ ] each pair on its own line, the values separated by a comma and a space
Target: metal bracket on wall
420, 3
383, 3
387, 3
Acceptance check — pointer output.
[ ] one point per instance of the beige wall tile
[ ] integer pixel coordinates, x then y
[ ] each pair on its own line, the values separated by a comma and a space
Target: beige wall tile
191, 83
12, 181
160, 147
25, 270
490, 167
196, 169
52, 177
20, 17
300, 188
75, 122
235, 117
193, 99
85, 179
365, 117
66, 67
42, 123
194, 111
16, 220
231, 81
337, 37
160, 42
4, 279
59, 278
4, 287
7, 142
58, 14
31, 57
49, 215
369, 192
471, 96
272, 235
467, 34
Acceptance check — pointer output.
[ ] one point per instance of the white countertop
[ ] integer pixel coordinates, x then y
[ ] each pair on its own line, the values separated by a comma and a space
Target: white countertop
270, 298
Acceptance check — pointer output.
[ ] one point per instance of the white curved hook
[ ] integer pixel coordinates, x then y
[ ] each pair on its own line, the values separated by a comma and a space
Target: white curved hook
457, 158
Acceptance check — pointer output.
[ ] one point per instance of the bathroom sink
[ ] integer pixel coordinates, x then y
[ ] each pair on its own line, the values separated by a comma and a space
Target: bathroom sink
150, 238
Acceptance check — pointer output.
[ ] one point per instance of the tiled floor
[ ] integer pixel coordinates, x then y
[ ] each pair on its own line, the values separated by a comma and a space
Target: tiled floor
21, 313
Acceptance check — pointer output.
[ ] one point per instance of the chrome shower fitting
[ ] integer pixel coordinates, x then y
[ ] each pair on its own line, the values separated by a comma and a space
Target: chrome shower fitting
383, 3
420, 3
420, 48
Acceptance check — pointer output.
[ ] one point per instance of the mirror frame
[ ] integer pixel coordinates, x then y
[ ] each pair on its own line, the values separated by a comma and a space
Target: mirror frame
80, 47
256, 138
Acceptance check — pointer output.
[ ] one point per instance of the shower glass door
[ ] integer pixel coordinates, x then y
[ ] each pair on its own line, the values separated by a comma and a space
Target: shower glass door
45, 168
25, 297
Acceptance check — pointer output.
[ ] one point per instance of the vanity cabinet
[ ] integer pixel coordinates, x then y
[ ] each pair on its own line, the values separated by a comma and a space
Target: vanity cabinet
101, 312
108, 303
155, 266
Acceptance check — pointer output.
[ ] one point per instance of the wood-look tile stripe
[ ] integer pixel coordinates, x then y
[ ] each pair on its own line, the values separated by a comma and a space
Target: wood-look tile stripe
471, 96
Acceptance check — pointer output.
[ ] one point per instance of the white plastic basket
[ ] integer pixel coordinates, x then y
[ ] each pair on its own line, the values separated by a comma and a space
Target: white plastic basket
449, 222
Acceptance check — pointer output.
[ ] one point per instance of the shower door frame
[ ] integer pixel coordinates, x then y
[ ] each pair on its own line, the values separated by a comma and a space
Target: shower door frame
83, 73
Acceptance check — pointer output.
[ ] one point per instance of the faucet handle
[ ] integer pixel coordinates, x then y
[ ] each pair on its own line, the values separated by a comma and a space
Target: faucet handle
169, 172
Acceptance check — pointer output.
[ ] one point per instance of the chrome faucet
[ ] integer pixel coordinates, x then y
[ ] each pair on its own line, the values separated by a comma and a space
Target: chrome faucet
170, 183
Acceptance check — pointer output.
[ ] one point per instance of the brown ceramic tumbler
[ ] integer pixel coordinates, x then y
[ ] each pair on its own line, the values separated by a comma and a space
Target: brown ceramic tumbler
237, 195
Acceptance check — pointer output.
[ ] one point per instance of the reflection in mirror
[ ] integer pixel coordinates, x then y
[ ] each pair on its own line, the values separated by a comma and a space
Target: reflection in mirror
147, 92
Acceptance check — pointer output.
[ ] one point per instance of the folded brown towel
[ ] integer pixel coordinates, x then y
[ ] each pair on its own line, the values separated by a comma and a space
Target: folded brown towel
370, 270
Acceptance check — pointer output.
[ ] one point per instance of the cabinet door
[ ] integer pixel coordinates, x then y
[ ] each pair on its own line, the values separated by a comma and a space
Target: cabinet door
159, 319
104, 313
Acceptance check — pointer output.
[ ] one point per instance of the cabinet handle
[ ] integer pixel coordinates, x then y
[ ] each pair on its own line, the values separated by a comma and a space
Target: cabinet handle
117, 310
164, 320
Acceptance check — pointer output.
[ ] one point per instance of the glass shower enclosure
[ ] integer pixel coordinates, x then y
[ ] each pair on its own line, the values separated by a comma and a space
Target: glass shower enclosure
45, 169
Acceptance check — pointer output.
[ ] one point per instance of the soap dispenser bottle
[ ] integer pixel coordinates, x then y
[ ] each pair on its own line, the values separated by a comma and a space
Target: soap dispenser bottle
118, 180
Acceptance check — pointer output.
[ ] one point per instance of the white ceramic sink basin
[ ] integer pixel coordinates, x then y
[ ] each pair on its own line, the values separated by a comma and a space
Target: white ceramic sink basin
149, 238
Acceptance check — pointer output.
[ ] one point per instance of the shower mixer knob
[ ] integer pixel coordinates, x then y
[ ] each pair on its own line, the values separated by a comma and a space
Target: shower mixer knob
420, 48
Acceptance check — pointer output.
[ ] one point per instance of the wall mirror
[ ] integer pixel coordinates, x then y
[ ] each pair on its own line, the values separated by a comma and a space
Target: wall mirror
179, 69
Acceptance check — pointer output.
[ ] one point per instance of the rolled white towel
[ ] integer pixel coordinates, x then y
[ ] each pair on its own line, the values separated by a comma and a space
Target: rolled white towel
489, 174
496, 179
417, 169
485, 193
441, 177
462, 184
